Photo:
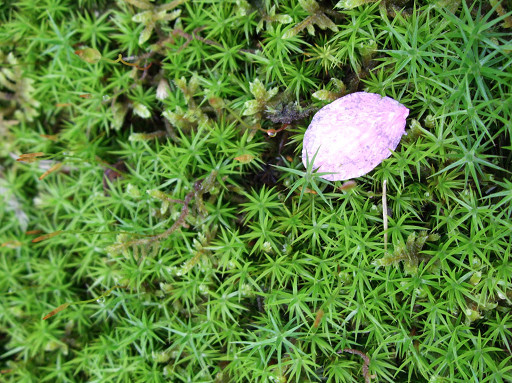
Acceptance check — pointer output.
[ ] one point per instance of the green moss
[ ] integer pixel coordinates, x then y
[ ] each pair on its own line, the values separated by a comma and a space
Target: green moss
194, 245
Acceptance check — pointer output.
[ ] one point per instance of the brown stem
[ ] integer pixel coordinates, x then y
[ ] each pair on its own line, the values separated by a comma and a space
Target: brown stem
366, 362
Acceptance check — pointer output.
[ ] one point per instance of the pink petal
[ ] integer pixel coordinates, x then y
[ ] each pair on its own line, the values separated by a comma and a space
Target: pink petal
354, 134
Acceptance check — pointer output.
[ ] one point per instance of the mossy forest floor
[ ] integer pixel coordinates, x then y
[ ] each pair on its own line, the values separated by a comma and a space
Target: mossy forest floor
158, 225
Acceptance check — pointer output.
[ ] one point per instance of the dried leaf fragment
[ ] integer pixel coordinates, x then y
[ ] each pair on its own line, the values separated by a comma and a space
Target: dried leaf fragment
54, 168
30, 157
12, 244
317, 16
245, 158
306, 190
349, 185
318, 318
57, 310
89, 55
32, 232
53, 137
46, 236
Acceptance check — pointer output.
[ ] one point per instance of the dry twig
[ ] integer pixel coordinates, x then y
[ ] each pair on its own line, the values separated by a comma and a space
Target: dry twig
366, 363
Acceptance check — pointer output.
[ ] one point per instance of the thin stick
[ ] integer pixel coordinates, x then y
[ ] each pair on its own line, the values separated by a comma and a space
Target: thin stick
385, 214
120, 58
366, 362
66, 305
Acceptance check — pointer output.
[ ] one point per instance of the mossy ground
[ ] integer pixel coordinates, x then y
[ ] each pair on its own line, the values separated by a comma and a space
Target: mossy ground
183, 240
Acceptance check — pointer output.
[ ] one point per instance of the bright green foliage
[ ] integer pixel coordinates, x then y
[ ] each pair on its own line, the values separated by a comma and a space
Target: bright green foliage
193, 244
